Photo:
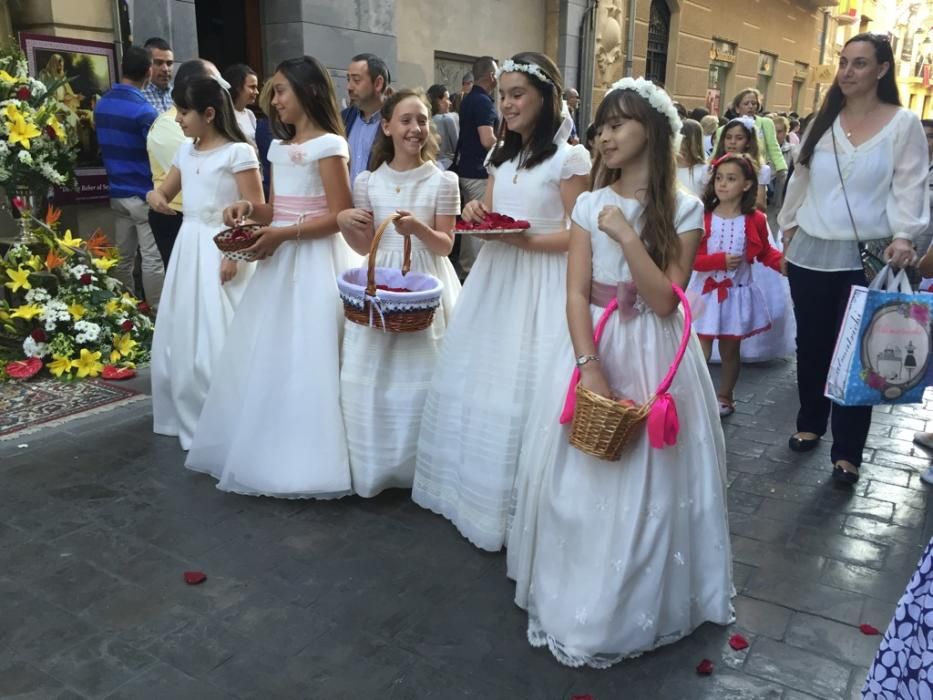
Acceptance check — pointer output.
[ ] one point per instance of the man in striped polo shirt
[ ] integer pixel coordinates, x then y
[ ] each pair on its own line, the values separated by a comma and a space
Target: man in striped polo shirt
122, 118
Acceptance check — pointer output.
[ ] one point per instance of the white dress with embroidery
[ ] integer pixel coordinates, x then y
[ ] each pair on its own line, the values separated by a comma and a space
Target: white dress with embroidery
384, 377
196, 308
615, 559
272, 425
743, 312
508, 319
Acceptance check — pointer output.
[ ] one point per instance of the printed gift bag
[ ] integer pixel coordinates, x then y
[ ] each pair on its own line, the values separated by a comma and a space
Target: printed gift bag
882, 352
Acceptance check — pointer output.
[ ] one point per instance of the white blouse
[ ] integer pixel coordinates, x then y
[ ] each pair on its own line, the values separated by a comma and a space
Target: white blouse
694, 179
885, 178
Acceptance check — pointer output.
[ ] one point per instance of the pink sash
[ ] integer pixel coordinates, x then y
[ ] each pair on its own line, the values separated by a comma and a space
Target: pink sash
297, 208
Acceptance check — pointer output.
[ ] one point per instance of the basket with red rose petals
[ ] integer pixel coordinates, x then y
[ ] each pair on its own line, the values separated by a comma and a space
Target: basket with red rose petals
233, 241
398, 301
493, 223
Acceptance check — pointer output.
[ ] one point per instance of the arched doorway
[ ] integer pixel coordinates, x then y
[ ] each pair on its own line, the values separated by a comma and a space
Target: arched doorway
659, 31
229, 32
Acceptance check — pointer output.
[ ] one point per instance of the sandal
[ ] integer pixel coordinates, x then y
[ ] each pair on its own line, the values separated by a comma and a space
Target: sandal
726, 406
844, 476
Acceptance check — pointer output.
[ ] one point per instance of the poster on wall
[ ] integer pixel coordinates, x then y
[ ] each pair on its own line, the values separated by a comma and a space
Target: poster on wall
90, 67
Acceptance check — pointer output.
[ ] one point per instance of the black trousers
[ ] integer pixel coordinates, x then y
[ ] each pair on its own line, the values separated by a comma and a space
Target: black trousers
165, 231
820, 300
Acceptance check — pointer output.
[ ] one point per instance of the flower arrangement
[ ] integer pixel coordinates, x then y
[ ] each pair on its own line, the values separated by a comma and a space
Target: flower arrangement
62, 311
38, 142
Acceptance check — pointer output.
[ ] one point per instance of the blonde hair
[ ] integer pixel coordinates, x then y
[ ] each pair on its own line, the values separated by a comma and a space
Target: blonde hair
383, 150
783, 121
709, 123
691, 148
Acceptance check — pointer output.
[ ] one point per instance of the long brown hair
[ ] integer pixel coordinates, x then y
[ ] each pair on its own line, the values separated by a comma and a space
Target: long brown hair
691, 148
660, 199
751, 149
749, 169
383, 149
314, 89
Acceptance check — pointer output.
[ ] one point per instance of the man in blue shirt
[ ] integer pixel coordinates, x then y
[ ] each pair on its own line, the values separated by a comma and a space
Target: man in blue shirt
159, 90
477, 136
367, 80
122, 119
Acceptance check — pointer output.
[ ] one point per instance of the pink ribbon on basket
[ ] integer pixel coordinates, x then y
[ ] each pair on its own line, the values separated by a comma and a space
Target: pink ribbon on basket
663, 424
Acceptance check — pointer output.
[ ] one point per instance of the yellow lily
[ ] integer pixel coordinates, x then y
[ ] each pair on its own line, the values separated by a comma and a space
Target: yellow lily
60, 364
19, 279
89, 364
112, 307
35, 262
69, 242
123, 345
57, 128
103, 264
26, 311
21, 131
6, 77
76, 310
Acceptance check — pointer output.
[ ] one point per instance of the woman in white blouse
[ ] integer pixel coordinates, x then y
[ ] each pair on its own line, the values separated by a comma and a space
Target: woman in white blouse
244, 89
881, 178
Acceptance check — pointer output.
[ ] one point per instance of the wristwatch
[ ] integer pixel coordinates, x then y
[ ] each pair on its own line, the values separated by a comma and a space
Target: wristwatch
583, 359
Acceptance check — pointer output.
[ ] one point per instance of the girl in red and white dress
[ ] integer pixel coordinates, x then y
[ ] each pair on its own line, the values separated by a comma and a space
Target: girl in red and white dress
735, 235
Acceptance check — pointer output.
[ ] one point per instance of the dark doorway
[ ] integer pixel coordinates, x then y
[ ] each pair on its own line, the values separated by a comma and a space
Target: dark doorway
229, 31
659, 31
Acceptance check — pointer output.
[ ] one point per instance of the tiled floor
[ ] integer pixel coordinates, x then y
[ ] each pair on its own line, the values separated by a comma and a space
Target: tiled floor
379, 599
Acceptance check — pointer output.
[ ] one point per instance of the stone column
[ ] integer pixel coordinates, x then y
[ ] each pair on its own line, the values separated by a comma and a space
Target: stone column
570, 21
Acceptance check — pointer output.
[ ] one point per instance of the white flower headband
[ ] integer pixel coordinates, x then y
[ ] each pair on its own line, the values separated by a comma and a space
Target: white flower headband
746, 121
658, 99
510, 66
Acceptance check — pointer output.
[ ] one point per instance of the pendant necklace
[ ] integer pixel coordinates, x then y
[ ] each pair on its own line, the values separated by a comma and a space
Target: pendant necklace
523, 156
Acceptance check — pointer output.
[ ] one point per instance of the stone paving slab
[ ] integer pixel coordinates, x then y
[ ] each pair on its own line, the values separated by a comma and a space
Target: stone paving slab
379, 599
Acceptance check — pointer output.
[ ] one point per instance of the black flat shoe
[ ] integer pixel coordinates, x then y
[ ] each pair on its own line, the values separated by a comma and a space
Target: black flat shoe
802, 445
843, 476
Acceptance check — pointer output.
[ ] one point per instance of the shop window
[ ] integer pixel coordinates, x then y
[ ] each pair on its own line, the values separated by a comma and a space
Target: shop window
722, 58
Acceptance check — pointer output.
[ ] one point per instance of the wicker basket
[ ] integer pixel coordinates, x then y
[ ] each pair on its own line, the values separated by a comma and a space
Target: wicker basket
396, 312
602, 427
233, 247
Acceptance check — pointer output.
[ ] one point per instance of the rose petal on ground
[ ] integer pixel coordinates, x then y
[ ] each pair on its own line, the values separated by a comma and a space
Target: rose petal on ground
705, 667
116, 374
193, 578
869, 629
738, 642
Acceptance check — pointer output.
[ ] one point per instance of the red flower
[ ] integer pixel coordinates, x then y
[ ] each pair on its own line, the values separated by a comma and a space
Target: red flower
86, 278
39, 335
144, 308
705, 667
869, 629
126, 326
116, 374
50, 132
738, 642
193, 578
24, 369
19, 203
23, 93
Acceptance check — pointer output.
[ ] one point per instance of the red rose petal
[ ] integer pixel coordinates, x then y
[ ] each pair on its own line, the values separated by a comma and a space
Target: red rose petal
738, 642
869, 629
581, 697
24, 369
116, 374
705, 667
193, 578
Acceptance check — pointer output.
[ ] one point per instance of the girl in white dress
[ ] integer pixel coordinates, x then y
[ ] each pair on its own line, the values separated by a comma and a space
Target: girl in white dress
202, 289
272, 423
735, 235
612, 560
741, 136
692, 170
508, 317
384, 377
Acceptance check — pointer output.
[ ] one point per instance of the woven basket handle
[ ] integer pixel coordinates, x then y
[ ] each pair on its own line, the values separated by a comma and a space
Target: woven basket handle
374, 246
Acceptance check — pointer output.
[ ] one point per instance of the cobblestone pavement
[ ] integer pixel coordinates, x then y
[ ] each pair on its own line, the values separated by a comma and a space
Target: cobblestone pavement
379, 599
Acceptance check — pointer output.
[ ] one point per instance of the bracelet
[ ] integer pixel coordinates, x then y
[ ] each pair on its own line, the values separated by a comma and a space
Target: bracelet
584, 359
301, 219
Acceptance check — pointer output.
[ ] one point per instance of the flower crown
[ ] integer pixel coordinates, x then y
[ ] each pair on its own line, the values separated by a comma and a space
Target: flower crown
510, 66
746, 121
658, 99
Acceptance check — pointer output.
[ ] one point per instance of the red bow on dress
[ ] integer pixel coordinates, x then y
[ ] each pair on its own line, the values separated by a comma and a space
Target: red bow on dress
721, 287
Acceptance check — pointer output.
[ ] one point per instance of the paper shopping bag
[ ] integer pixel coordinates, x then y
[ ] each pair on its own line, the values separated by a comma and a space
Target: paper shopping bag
882, 352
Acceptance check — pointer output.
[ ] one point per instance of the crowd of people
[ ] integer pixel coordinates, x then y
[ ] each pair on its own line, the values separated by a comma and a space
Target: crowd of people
273, 393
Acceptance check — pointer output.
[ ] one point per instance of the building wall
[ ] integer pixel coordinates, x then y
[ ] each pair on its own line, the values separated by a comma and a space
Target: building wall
498, 28
87, 19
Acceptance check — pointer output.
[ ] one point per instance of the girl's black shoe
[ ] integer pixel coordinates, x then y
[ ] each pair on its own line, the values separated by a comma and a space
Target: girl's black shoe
802, 445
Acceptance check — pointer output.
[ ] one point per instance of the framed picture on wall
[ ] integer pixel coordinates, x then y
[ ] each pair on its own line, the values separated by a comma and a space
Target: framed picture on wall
90, 67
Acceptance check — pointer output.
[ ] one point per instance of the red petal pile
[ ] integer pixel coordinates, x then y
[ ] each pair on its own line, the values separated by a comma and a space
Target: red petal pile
493, 222
581, 697
386, 288
24, 369
193, 578
705, 667
738, 642
869, 629
116, 374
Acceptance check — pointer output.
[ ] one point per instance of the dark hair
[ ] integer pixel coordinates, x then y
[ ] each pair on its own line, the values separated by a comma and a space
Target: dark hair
314, 89
658, 232
540, 144
483, 66
157, 42
681, 110
435, 94
455, 102
467, 78
748, 167
697, 113
136, 64
189, 70
927, 123
383, 150
590, 135
200, 93
752, 149
835, 101
376, 68
236, 75
794, 123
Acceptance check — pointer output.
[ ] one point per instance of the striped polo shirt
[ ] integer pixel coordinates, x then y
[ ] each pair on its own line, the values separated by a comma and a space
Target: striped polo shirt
122, 119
